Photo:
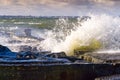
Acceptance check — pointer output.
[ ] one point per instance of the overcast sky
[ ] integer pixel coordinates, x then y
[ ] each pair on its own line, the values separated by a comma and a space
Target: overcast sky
58, 7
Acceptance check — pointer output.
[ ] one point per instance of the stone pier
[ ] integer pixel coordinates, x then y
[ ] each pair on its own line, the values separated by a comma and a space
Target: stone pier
57, 71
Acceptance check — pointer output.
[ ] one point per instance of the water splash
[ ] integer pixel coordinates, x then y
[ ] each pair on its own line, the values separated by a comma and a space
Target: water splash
101, 30
97, 32
61, 30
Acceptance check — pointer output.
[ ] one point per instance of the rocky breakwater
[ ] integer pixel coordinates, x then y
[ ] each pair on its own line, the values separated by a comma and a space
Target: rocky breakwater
45, 65
106, 64
102, 57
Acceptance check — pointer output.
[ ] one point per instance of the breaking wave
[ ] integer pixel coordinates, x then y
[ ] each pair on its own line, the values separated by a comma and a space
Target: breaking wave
91, 33
100, 32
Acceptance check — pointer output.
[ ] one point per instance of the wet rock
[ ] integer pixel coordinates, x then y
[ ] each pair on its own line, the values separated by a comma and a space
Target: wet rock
28, 52
27, 55
101, 57
80, 52
27, 32
63, 56
4, 49
40, 56
58, 63
45, 52
29, 35
28, 48
6, 52
73, 59
56, 55
25, 48
32, 54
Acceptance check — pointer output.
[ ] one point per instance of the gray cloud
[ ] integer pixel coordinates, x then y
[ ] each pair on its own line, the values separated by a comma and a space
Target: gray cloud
54, 2
54, 7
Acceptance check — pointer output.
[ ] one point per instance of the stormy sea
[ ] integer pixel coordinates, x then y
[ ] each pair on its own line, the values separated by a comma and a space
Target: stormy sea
56, 34
59, 39
98, 33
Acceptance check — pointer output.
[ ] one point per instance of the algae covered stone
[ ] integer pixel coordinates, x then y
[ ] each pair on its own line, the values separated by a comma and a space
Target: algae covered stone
92, 45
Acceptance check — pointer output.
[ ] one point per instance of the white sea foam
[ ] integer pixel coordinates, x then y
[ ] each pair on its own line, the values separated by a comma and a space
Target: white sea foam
103, 28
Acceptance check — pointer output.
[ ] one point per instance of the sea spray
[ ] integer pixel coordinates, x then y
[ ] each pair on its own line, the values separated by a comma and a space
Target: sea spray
99, 32
60, 31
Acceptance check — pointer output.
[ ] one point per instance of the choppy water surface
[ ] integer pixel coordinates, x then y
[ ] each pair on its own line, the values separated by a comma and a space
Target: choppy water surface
13, 35
93, 32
